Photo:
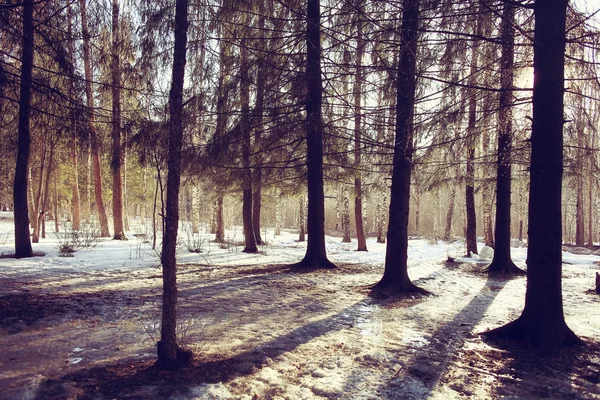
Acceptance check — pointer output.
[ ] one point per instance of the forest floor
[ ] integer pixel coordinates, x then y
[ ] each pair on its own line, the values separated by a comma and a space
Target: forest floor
84, 327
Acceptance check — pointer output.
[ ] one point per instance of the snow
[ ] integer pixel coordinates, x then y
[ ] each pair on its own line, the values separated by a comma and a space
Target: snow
260, 330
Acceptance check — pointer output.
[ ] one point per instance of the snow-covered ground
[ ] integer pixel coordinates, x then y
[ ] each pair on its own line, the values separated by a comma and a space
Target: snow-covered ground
84, 326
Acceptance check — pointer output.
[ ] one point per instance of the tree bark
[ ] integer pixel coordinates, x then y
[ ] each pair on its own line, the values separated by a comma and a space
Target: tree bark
346, 217
249, 238
502, 262
170, 356
56, 225
395, 278
381, 219
220, 231
258, 128
450, 213
21, 212
301, 221
542, 322
117, 156
358, 203
46, 193
93, 133
76, 204
471, 231
35, 237
316, 253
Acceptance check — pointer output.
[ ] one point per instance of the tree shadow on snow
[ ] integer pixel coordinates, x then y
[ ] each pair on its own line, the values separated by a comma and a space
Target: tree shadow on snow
572, 372
141, 380
426, 369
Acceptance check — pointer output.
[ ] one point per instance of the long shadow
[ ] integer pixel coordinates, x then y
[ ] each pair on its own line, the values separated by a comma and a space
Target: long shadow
431, 361
128, 380
571, 373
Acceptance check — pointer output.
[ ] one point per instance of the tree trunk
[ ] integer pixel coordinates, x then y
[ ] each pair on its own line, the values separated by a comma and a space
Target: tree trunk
220, 232
381, 219
301, 221
358, 203
249, 238
170, 356
258, 129
436, 215
542, 322
195, 206
502, 262
450, 213
117, 156
278, 212
35, 217
590, 233
46, 193
154, 213
316, 253
471, 231
76, 204
395, 278
21, 213
56, 225
93, 133
579, 207
346, 218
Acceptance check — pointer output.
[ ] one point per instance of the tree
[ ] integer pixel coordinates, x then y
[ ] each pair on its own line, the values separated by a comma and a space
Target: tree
21, 213
358, 190
502, 262
542, 324
316, 253
395, 278
250, 239
115, 166
170, 356
95, 145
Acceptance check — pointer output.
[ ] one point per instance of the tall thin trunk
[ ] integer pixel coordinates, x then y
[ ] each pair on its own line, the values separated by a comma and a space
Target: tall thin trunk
277, 212
170, 356
76, 204
220, 229
590, 233
124, 170
395, 277
261, 75
301, 221
93, 133
436, 214
250, 240
579, 213
117, 156
358, 203
450, 213
46, 193
56, 225
417, 212
21, 213
542, 322
154, 211
502, 262
346, 217
35, 237
472, 93
316, 253
195, 208
381, 214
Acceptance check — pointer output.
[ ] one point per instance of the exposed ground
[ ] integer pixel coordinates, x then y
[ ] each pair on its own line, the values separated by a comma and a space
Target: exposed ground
83, 327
